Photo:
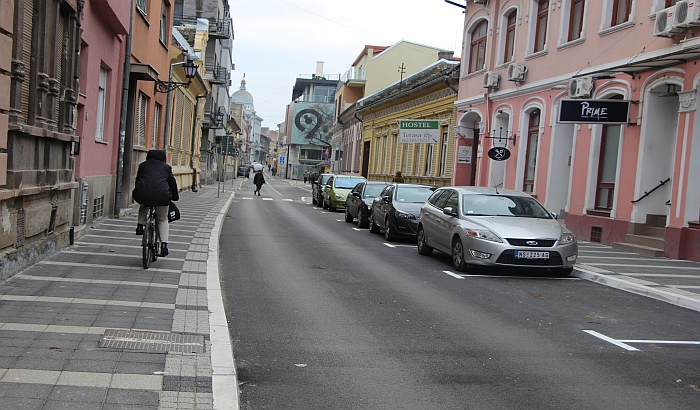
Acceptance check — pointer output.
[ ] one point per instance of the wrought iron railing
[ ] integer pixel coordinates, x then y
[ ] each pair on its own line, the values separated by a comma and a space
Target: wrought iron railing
217, 74
220, 28
646, 194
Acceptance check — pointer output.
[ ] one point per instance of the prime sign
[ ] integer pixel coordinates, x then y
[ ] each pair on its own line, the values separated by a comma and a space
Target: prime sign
419, 131
594, 111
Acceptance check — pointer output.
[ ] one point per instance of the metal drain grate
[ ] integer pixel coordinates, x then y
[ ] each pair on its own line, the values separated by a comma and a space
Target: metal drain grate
152, 341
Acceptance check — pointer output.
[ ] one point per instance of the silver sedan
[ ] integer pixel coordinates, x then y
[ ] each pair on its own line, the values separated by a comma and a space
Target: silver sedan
482, 226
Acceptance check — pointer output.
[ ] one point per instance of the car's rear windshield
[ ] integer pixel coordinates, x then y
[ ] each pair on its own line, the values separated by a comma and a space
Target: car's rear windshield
414, 194
503, 205
372, 191
347, 183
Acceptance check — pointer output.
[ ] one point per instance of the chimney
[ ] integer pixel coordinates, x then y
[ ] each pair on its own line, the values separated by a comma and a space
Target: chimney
319, 68
447, 55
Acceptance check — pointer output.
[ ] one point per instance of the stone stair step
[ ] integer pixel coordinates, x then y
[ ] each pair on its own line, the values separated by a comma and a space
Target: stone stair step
639, 249
654, 231
649, 241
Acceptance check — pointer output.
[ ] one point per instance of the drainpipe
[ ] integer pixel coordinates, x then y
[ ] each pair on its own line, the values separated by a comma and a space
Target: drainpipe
123, 115
194, 133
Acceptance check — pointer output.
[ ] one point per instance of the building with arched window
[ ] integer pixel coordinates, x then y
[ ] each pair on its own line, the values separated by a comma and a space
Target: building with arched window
630, 180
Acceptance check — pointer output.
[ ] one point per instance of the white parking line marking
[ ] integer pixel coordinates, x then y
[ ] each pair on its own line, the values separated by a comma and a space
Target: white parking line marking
611, 340
358, 229
662, 342
454, 275
622, 265
288, 199
389, 245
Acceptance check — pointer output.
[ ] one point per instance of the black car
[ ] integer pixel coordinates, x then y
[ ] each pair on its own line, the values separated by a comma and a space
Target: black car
243, 171
360, 200
317, 189
397, 208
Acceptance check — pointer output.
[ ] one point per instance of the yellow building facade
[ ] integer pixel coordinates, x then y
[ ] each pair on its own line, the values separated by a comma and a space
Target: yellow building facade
427, 95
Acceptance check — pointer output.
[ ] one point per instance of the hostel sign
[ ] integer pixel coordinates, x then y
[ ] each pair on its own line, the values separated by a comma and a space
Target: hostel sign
594, 111
419, 131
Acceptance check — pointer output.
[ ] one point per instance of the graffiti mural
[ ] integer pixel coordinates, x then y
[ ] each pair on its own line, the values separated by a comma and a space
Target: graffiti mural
312, 122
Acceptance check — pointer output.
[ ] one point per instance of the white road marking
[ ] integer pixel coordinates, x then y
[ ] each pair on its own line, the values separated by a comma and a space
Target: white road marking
389, 245
611, 340
453, 274
288, 199
622, 265
267, 199
662, 342
358, 229
340, 220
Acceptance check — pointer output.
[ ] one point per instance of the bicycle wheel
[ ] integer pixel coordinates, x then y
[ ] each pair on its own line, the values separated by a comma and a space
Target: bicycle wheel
146, 245
155, 244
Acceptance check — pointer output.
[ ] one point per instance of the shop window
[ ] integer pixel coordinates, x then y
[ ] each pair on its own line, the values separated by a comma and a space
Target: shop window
607, 167
533, 137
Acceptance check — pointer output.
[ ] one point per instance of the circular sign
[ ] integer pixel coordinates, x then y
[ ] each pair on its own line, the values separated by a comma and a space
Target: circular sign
499, 153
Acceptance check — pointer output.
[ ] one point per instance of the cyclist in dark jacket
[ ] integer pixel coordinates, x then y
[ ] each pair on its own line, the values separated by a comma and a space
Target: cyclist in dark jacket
155, 186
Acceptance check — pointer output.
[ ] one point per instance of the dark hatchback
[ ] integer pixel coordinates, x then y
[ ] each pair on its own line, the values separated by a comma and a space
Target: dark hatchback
317, 189
359, 201
397, 208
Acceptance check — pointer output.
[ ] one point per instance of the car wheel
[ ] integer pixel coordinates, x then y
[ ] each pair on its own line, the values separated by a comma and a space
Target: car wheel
373, 228
458, 256
388, 232
331, 207
348, 217
319, 202
324, 204
361, 220
313, 200
423, 248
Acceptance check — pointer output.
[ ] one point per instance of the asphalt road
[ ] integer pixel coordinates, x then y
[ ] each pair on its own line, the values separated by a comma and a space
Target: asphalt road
324, 316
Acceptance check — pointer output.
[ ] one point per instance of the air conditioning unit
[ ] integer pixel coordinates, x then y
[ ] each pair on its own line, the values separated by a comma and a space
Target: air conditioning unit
687, 14
663, 26
491, 79
580, 87
516, 71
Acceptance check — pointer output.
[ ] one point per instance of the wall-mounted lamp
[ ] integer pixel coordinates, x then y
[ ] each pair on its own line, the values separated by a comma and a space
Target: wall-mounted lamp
167, 86
219, 117
500, 137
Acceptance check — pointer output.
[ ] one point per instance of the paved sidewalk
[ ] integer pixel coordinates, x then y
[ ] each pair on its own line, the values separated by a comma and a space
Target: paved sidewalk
670, 280
89, 328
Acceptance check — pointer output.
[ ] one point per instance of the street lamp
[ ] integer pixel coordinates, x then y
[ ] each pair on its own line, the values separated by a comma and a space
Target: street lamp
219, 117
167, 86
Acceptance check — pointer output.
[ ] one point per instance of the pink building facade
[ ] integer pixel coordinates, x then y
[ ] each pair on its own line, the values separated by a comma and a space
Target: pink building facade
634, 184
105, 26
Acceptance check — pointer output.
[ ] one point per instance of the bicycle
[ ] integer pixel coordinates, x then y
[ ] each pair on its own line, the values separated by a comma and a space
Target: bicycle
151, 239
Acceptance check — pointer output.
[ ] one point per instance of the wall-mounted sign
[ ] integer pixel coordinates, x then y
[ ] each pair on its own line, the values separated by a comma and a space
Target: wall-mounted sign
499, 153
281, 159
594, 111
419, 131
464, 155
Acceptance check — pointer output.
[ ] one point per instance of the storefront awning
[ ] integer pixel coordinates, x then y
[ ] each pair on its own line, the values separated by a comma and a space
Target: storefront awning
677, 54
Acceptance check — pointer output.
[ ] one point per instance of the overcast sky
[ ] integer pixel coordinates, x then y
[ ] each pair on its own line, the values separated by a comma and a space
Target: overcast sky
275, 41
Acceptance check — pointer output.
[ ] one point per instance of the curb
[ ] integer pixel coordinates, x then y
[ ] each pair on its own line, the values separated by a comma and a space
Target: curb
628, 285
224, 380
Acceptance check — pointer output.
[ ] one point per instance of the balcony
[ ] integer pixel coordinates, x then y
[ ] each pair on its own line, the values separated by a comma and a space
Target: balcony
217, 74
354, 77
218, 28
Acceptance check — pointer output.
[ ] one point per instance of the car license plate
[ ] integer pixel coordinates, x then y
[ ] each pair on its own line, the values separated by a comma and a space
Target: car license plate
531, 255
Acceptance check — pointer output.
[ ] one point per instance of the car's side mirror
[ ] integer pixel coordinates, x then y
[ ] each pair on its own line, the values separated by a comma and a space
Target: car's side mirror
387, 199
449, 211
554, 215
357, 194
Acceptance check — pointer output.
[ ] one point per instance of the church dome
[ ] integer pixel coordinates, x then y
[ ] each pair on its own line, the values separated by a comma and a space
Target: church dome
242, 96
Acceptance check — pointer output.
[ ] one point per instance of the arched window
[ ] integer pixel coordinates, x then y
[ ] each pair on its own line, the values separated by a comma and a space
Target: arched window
541, 25
533, 137
477, 55
510, 36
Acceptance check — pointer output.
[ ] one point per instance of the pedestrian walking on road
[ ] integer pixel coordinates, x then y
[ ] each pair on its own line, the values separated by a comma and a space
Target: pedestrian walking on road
306, 176
258, 180
155, 186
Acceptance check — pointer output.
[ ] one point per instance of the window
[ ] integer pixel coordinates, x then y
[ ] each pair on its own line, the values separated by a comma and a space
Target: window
101, 97
576, 19
670, 3
156, 122
429, 160
533, 136
443, 152
541, 25
141, 6
140, 130
510, 36
477, 53
164, 23
620, 12
607, 167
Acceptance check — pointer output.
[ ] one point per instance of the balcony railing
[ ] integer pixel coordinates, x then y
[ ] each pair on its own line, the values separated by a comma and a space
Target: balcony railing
353, 74
218, 28
217, 74
329, 77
